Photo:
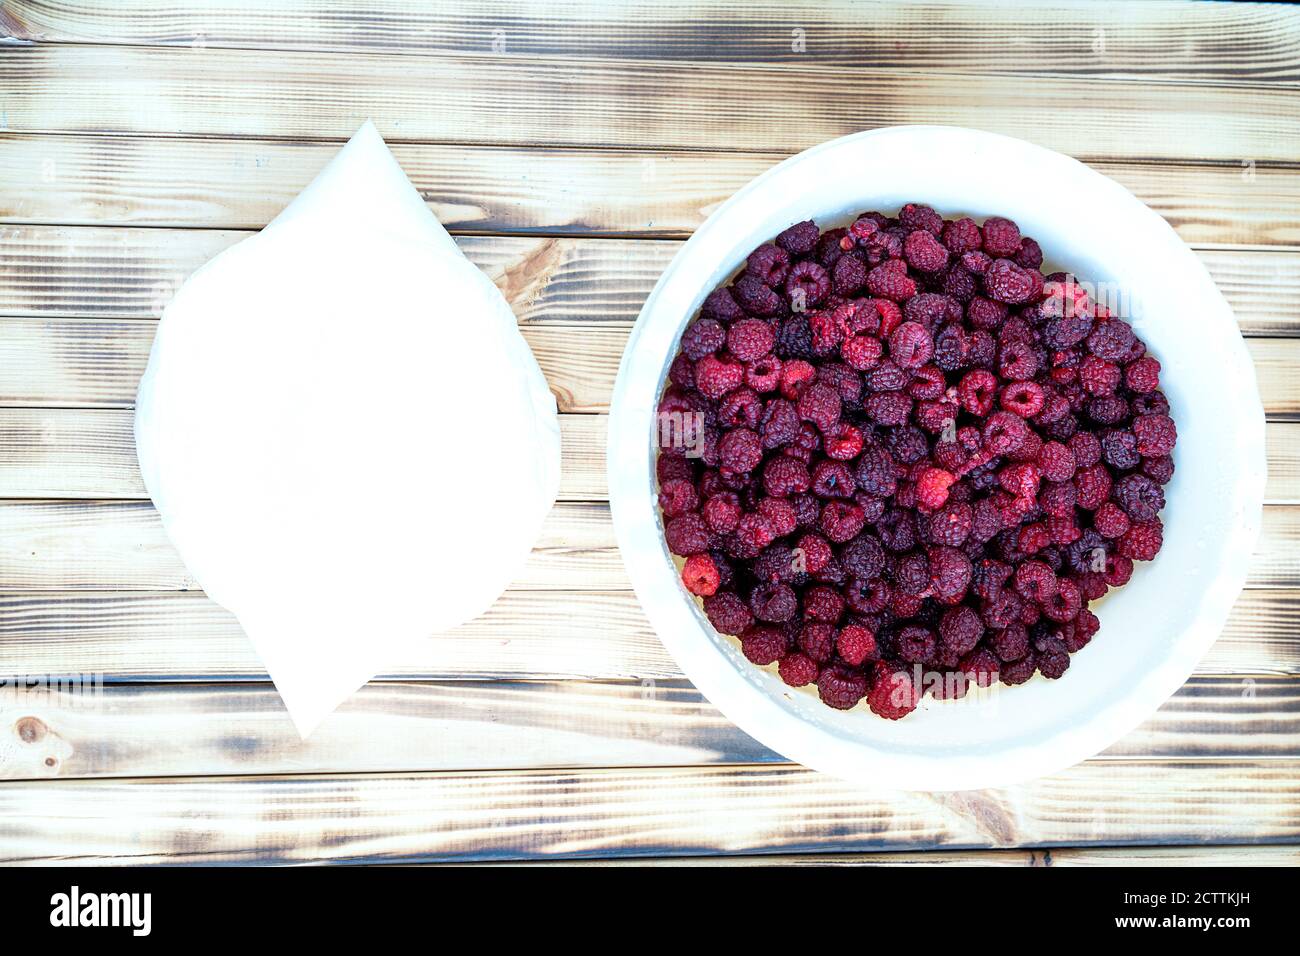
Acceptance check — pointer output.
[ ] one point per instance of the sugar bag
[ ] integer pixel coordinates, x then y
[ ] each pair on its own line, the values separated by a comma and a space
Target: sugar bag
347, 439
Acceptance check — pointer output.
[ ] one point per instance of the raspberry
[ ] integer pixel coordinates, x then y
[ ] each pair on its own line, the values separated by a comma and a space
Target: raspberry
1156, 435
841, 520
1023, 398
844, 443
919, 216
1056, 462
820, 404
796, 376
1142, 541
1119, 449
800, 239
950, 574
808, 285
1139, 496
1035, 581
794, 338
932, 488
962, 235
1093, 485
1053, 658
910, 345
916, 645
862, 352
1017, 359
768, 264
1004, 432
700, 575
774, 603
893, 693
980, 667
716, 376
779, 514
952, 524
1098, 376
890, 280
841, 688
1011, 643
763, 645
1030, 255
848, 275
703, 338
1004, 281
755, 296
1160, 470
923, 252
677, 496
722, 512
1111, 339
833, 479
740, 406
750, 339
686, 535
797, 670
822, 603
856, 644
722, 306
888, 408
764, 374
740, 450
727, 613
1020, 670
1001, 237
1142, 375
1065, 604
961, 629
779, 424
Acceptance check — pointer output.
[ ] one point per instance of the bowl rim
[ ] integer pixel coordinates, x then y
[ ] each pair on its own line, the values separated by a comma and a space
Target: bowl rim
755, 710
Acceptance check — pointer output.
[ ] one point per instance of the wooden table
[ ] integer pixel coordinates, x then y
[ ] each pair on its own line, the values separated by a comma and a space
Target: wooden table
570, 147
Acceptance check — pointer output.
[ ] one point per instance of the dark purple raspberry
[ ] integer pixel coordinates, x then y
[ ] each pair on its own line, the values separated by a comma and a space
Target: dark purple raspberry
755, 296
763, 645
768, 264
910, 345
703, 338
797, 670
841, 688
1001, 237
1004, 281
1011, 643
961, 629
1156, 435
800, 239
1139, 496
924, 252
1053, 658
727, 613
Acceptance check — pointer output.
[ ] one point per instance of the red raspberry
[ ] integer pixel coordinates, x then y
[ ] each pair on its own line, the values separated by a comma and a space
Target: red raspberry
1023, 398
797, 670
1156, 435
763, 645
844, 443
820, 404
1056, 461
795, 377
779, 514
862, 352
700, 575
893, 693
950, 574
841, 520
856, 644
677, 496
715, 377
686, 535
1142, 375
1098, 376
823, 603
816, 552
910, 345
764, 374
890, 280
817, 640
722, 512
1065, 604
808, 285
977, 391
750, 339
1004, 432
740, 406
1001, 237
1004, 281
932, 488
962, 235
924, 252
740, 450
1142, 541
1093, 484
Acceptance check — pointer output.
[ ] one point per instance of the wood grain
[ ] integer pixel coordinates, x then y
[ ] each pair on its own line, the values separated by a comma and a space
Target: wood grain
624, 813
98, 363
242, 184
625, 103
577, 538
131, 273
224, 729
1185, 41
526, 635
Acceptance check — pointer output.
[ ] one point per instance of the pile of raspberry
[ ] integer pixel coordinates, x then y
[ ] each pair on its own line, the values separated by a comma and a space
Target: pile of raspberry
918, 453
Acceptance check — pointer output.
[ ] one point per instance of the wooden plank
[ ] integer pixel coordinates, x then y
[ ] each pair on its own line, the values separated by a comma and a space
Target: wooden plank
98, 363
131, 273
1163, 856
651, 812
120, 545
537, 635
242, 184
583, 102
223, 729
1187, 41
90, 453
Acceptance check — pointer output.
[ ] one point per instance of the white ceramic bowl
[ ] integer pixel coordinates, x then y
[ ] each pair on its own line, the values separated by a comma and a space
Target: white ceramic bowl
1153, 631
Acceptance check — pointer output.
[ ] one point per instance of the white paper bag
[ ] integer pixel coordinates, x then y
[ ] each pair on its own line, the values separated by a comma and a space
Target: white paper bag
348, 440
